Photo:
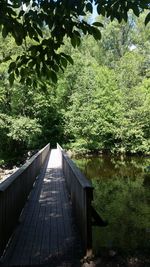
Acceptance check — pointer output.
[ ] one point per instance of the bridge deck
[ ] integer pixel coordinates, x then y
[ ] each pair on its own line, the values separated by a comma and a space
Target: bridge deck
46, 234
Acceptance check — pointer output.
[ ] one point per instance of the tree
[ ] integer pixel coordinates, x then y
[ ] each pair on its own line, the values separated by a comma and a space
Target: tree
101, 102
15, 132
94, 111
48, 23
105, 107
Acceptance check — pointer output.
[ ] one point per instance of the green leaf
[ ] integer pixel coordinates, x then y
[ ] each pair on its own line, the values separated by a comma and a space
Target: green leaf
23, 72
89, 7
11, 79
64, 62
6, 58
18, 41
78, 41
147, 19
98, 24
73, 41
22, 80
31, 63
55, 68
12, 66
21, 13
17, 72
38, 30
28, 81
119, 17
96, 33
4, 32
77, 33
53, 76
36, 39
34, 83
69, 58
100, 10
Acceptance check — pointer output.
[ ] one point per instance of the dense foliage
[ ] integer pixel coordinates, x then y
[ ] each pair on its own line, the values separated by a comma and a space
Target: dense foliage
48, 23
99, 103
109, 91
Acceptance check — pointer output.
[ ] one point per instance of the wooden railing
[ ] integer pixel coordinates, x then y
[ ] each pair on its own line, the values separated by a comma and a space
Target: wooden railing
14, 192
81, 193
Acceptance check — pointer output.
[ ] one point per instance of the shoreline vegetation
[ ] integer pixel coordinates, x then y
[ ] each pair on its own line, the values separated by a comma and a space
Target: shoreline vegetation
94, 153
8, 162
9, 165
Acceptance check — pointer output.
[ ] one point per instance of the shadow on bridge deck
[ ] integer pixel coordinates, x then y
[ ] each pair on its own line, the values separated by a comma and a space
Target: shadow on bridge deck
46, 234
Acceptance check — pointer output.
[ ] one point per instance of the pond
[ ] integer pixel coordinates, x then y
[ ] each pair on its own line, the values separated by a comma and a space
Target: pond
122, 197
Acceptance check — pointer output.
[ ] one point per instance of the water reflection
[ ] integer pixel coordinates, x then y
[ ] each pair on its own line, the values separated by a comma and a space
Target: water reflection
121, 196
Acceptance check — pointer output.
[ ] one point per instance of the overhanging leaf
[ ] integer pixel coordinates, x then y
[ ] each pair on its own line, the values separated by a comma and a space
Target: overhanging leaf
53, 76
64, 62
89, 7
147, 19
4, 32
12, 66
11, 79
96, 33
98, 24
69, 58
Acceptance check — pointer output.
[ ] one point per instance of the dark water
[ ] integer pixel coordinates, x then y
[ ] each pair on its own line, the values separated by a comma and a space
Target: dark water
122, 197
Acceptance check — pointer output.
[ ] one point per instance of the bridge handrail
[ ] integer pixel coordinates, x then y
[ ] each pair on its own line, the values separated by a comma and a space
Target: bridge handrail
79, 175
14, 192
81, 193
4, 184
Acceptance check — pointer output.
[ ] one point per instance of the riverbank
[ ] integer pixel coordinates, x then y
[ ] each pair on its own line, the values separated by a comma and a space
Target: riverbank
4, 172
94, 153
10, 165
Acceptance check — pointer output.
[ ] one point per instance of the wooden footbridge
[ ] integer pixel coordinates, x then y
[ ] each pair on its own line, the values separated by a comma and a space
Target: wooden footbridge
45, 213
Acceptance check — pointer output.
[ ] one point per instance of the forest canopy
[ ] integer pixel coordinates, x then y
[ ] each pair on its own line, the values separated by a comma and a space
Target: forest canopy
42, 26
101, 102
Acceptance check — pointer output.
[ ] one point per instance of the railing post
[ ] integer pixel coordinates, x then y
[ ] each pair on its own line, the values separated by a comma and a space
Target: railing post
88, 234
